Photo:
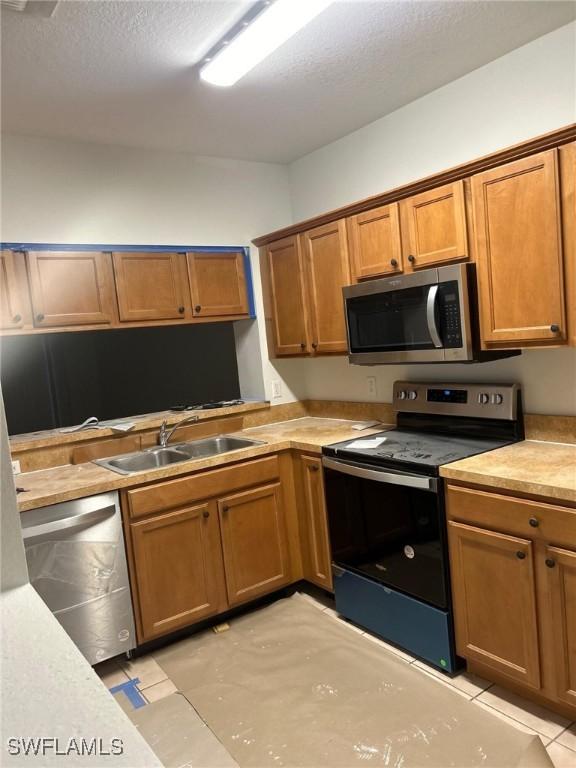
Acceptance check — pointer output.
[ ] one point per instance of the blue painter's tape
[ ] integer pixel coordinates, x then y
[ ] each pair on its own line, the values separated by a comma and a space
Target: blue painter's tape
249, 283
122, 248
131, 692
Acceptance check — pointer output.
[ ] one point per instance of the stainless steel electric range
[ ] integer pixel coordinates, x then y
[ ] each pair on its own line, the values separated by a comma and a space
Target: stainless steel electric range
386, 512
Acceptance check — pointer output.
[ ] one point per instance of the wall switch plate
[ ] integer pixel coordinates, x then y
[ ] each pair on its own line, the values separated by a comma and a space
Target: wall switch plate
371, 384
16, 467
276, 388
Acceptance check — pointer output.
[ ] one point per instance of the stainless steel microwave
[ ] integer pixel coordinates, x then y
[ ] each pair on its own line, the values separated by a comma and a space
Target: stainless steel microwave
424, 317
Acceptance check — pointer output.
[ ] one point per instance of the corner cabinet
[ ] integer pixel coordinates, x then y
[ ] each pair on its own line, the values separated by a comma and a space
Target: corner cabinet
520, 252
218, 284
327, 271
71, 288
513, 566
314, 523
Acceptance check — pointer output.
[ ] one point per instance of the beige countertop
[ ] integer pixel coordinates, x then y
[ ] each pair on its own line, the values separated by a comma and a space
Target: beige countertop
50, 486
530, 467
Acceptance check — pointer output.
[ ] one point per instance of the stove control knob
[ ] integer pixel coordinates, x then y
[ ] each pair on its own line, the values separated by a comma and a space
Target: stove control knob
496, 399
402, 395
412, 394
483, 398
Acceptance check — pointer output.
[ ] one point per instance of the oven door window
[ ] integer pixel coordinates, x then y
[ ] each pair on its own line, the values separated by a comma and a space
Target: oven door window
387, 533
389, 321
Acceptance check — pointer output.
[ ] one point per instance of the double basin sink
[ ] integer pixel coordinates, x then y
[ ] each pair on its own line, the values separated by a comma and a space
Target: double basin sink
153, 458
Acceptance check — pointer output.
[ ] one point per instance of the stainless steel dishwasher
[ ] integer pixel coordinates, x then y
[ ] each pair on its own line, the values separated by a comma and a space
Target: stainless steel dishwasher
77, 564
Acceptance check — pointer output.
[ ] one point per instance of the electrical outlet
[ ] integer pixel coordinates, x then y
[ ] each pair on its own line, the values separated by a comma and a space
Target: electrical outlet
276, 388
371, 382
16, 467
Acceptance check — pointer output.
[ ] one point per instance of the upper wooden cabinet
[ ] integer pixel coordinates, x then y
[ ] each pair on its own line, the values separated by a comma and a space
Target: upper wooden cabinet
178, 562
434, 229
375, 245
519, 252
14, 301
495, 601
152, 286
71, 288
314, 524
284, 300
254, 543
218, 284
327, 272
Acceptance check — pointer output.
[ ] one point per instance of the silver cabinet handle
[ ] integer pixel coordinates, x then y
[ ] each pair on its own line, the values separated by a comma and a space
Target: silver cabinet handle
431, 316
380, 476
68, 522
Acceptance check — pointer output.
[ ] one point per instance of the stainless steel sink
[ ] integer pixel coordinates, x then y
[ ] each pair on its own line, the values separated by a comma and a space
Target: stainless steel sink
153, 458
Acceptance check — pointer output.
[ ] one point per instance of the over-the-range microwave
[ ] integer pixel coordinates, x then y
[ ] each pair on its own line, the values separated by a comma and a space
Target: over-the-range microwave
425, 317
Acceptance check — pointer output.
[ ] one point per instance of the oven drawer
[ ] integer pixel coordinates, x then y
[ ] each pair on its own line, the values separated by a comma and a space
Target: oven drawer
414, 626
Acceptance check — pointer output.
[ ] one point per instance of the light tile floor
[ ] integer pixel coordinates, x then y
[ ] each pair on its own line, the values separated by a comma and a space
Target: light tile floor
557, 733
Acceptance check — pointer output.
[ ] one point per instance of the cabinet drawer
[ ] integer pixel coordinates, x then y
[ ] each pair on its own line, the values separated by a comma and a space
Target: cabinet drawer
204, 485
536, 520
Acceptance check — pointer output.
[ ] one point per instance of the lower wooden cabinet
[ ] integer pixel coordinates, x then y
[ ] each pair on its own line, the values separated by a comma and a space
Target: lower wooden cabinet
316, 544
178, 568
254, 543
513, 567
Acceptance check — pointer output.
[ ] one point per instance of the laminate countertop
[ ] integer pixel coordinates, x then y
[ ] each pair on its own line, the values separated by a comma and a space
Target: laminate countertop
530, 467
74, 481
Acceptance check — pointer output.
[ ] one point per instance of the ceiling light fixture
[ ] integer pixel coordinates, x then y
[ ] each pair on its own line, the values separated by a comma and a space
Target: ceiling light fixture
256, 40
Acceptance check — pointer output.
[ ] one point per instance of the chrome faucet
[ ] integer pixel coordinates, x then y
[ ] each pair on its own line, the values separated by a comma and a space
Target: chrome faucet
165, 434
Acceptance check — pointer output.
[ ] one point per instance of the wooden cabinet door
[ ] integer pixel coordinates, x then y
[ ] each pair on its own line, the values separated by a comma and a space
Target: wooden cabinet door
328, 271
217, 284
14, 309
254, 543
435, 227
152, 286
519, 252
179, 573
560, 602
71, 288
283, 276
318, 560
495, 601
375, 246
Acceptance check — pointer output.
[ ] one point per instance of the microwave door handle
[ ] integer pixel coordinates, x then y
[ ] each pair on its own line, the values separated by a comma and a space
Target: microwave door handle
431, 316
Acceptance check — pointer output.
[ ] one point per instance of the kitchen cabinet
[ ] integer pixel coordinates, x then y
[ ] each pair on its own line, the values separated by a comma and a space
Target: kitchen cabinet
513, 567
218, 284
178, 562
317, 557
254, 542
434, 227
285, 302
71, 288
14, 301
375, 244
519, 252
495, 601
152, 286
567, 159
327, 272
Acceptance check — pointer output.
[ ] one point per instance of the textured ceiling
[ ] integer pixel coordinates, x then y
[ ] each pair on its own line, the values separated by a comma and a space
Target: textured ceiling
123, 72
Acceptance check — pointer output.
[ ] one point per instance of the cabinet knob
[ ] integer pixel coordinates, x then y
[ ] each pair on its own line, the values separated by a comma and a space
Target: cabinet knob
554, 328
534, 522
550, 563
206, 513
181, 310
411, 258
302, 345
394, 262
520, 555
197, 308
17, 318
40, 317
314, 468
314, 345
225, 508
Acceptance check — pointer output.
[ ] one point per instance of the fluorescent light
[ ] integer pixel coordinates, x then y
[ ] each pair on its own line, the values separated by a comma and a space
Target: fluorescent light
267, 32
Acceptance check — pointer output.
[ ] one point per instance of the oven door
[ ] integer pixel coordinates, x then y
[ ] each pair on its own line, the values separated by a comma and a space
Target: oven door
387, 526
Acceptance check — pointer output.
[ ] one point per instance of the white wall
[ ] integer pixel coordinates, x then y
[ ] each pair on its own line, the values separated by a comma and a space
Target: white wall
63, 192
527, 92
